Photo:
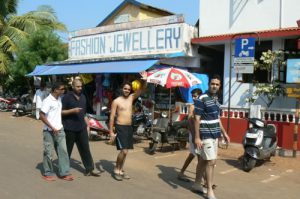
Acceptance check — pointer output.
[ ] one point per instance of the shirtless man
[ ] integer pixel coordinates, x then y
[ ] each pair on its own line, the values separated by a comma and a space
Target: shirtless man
121, 119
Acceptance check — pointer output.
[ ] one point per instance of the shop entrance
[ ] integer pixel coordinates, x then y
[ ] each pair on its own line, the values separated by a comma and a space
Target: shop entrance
212, 61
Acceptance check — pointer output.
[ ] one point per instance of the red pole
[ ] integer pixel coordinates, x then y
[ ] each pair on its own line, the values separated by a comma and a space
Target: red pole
295, 137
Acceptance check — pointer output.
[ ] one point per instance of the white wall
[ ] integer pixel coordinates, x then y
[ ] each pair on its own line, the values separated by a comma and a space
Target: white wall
232, 16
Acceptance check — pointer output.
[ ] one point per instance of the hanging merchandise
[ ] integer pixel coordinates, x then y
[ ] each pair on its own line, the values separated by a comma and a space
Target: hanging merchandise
99, 90
106, 82
86, 78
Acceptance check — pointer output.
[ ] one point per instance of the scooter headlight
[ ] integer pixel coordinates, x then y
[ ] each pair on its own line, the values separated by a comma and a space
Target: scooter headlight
164, 114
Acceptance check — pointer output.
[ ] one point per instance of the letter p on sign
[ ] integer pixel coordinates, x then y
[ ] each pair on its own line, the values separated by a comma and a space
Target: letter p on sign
244, 42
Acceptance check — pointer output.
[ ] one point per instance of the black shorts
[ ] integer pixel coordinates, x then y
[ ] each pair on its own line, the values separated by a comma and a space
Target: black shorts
124, 139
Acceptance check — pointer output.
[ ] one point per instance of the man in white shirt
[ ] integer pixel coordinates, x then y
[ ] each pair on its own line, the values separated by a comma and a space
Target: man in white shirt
39, 96
54, 135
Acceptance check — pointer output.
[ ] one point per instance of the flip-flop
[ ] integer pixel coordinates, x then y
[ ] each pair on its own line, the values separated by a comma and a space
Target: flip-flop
125, 176
67, 177
118, 176
49, 178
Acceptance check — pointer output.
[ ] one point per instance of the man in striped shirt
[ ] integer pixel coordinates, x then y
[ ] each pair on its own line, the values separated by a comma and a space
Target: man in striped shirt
209, 128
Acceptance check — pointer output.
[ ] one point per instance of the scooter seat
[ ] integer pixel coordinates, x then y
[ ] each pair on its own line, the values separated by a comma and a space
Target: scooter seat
270, 131
97, 117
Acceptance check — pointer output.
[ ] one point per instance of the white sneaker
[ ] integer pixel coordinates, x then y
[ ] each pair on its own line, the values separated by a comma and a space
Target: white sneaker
198, 188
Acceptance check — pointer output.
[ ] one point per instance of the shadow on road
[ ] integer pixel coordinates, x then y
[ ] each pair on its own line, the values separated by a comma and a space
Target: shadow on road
105, 165
39, 167
75, 164
237, 163
169, 175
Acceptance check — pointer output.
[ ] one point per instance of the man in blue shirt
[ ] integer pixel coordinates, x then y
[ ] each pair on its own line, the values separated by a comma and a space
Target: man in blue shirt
209, 128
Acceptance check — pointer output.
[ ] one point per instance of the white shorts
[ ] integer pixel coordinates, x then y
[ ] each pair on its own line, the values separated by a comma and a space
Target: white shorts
209, 149
191, 145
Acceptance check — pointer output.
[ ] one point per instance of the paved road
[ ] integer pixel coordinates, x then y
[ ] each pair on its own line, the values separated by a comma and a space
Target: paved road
152, 176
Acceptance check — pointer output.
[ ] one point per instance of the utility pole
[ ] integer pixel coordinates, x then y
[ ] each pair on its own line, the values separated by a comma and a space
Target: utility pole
295, 137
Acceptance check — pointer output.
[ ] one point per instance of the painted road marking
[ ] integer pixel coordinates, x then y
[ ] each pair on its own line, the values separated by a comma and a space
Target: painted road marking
229, 171
164, 156
272, 178
275, 177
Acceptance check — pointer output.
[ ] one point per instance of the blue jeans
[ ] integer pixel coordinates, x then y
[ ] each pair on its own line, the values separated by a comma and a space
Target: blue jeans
58, 142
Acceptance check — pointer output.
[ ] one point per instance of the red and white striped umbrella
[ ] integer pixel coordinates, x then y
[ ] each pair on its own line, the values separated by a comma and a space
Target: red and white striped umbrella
173, 77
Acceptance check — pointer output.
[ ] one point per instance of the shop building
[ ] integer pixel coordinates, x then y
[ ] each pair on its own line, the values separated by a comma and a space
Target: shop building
275, 26
133, 38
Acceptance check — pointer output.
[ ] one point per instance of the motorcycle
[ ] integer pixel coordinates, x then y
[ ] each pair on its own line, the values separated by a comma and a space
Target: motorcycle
260, 142
23, 105
141, 120
174, 133
98, 126
6, 104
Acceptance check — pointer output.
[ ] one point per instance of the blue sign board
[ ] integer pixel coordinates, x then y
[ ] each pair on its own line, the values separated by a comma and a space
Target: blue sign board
293, 71
245, 47
244, 55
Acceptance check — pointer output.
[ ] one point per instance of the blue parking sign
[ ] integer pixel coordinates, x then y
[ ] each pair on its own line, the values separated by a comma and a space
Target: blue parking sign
244, 47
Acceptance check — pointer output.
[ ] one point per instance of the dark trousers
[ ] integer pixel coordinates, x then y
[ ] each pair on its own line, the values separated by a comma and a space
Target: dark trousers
82, 143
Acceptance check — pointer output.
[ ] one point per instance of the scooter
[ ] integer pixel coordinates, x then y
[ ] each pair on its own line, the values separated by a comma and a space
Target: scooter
23, 106
141, 120
175, 133
99, 126
6, 104
260, 142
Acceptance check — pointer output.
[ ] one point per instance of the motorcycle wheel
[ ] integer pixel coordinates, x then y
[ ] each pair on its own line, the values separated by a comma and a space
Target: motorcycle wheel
182, 144
17, 114
248, 163
3, 106
152, 147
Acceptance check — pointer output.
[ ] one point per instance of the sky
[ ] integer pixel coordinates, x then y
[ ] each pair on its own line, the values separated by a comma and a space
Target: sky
77, 14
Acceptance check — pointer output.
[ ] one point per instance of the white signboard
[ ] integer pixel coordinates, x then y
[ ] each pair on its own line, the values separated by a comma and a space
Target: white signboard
148, 40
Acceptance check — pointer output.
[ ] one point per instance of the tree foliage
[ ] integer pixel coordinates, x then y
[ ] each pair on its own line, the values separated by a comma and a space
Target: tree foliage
268, 92
41, 47
14, 29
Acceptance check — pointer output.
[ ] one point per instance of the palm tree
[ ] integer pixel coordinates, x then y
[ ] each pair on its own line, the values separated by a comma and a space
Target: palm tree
14, 29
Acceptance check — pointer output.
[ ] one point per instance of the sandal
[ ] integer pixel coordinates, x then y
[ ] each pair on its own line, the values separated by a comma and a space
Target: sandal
49, 178
118, 176
67, 178
125, 176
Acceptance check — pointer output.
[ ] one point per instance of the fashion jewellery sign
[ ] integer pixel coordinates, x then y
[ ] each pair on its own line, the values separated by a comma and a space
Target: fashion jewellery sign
148, 40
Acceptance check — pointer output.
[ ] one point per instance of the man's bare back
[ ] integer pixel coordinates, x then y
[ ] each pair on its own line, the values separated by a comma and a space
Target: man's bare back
124, 110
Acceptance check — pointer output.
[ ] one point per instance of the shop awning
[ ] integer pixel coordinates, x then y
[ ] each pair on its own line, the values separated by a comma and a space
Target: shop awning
131, 66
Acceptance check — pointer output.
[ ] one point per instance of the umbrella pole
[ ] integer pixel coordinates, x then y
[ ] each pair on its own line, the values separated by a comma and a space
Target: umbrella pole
170, 118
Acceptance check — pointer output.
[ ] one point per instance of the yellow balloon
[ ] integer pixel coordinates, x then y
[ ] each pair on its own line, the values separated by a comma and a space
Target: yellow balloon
136, 85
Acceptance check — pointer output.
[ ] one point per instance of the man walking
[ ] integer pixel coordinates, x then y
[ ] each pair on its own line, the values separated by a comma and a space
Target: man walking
54, 135
209, 128
76, 126
38, 98
195, 94
121, 119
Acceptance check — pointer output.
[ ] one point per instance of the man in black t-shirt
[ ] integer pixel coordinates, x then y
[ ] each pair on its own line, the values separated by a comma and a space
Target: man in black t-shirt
76, 126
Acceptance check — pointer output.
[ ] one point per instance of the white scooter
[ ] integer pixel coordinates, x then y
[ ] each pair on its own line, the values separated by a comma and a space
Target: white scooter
259, 143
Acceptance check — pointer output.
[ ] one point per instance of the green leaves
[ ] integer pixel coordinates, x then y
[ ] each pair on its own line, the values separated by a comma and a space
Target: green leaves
15, 29
268, 91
